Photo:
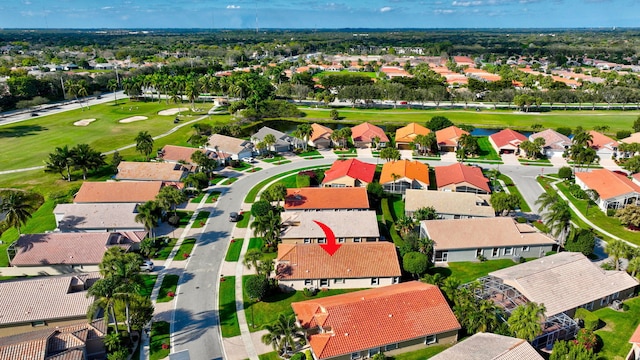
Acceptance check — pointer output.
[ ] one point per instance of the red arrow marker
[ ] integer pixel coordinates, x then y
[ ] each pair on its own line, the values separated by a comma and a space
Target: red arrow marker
331, 246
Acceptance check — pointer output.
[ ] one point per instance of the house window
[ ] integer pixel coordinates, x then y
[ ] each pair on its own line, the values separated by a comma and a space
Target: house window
341, 240
615, 295
307, 282
355, 355
431, 339
322, 241
38, 323
338, 281
525, 249
396, 280
588, 306
508, 251
356, 239
390, 347
479, 253
495, 252
307, 241
374, 351
604, 301
324, 282
375, 281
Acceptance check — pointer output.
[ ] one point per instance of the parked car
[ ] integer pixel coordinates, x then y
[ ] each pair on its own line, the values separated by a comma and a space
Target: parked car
33, 114
234, 217
147, 266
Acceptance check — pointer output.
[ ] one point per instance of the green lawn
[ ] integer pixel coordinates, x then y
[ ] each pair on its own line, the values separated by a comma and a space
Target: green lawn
397, 206
169, 284
164, 249
308, 153
185, 249
229, 181
267, 311
148, 282
216, 179
227, 307
244, 220
254, 169
535, 161
420, 354
184, 216
160, 334
619, 326
486, 151
289, 181
213, 197
242, 165
274, 159
251, 195
351, 151
468, 271
197, 199
513, 189
233, 253
270, 356
258, 243
201, 219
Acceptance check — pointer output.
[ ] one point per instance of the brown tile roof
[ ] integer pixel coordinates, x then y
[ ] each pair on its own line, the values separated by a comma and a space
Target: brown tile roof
118, 192
482, 233
177, 153
488, 346
149, 171
635, 338
553, 139
353, 168
458, 173
507, 137
44, 298
449, 136
320, 131
407, 134
633, 138
373, 318
76, 248
601, 141
406, 169
326, 198
352, 260
72, 354
607, 183
365, 132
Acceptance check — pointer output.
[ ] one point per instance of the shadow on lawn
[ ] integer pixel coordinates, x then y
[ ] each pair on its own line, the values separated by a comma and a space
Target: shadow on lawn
21, 130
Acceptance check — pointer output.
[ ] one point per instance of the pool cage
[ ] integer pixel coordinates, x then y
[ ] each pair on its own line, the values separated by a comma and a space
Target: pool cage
556, 327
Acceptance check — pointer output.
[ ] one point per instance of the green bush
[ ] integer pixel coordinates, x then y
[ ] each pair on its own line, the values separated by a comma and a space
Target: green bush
388, 219
308, 292
611, 212
623, 134
577, 192
298, 356
521, 220
566, 131
590, 319
308, 355
565, 172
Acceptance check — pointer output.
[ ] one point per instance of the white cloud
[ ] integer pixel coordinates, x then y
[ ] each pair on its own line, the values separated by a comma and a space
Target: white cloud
385, 9
233, 6
106, 8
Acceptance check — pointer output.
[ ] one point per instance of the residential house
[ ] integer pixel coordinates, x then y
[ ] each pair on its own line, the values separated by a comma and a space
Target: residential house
407, 134
300, 227
321, 136
615, 191
117, 192
398, 176
488, 346
363, 135
72, 342
326, 198
448, 138
97, 217
177, 154
349, 173
634, 353
301, 266
44, 302
60, 253
633, 138
283, 143
491, 238
152, 171
464, 61
555, 143
229, 146
449, 205
507, 141
461, 178
605, 146
392, 319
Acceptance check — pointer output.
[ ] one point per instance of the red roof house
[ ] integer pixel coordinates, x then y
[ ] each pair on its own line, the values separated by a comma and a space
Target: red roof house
326, 198
506, 141
461, 178
389, 319
364, 134
118, 192
349, 173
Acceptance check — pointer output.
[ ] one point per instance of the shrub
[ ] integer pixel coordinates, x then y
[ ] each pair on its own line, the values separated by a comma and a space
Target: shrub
521, 220
566, 131
308, 355
611, 212
415, 263
482, 258
308, 292
334, 114
256, 287
565, 172
297, 356
590, 319
623, 134
174, 220
577, 192
234, 163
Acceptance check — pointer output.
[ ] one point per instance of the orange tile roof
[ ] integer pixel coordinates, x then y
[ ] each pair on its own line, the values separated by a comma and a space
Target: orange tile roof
353, 168
607, 183
449, 136
600, 141
406, 134
351, 260
458, 173
412, 170
373, 318
463, 60
635, 338
120, 191
320, 131
365, 132
507, 137
326, 198
159, 171
177, 153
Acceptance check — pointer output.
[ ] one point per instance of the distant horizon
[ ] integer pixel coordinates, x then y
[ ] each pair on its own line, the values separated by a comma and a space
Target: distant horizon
343, 29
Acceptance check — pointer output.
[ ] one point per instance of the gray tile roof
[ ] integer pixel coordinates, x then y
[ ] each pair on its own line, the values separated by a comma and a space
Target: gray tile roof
488, 346
446, 202
299, 225
74, 217
281, 138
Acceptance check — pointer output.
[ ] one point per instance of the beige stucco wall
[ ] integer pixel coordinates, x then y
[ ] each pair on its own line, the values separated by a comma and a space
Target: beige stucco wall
47, 270
452, 187
315, 240
352, 283
345, 180
24, 328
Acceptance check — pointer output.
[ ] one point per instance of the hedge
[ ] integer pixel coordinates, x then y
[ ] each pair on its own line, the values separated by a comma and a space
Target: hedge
590, 319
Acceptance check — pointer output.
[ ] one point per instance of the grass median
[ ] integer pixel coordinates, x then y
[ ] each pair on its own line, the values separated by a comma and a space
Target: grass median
253, 193
227, 307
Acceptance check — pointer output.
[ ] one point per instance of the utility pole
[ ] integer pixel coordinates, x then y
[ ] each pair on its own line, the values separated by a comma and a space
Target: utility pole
64, 95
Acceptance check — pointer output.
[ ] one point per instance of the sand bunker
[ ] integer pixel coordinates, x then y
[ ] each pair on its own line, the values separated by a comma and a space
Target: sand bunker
84, 122
173, 111
132, 119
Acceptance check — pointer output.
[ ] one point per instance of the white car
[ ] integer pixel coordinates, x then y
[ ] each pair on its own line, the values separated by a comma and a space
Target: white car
147, 266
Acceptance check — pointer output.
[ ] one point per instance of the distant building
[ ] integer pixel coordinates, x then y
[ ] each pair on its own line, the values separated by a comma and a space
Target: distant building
507, 141
118, 192
232, 147
448, 138
555, 143
407, 134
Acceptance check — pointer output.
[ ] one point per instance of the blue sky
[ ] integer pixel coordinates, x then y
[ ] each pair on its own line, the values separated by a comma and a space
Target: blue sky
317, 14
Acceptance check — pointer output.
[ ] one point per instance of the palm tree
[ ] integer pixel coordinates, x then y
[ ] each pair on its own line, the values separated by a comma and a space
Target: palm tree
405, 225
390, 153
525, 321
149, 215
282, 333
251, 258
60, 160
18, 207
103, 290
395, 178
269, 140
169, 197
304, 131
634, 266
144, 143
192, 90
617, 249
113, 86
558, 219
268, 227
73, 89
81, 87
85, 158
545, 200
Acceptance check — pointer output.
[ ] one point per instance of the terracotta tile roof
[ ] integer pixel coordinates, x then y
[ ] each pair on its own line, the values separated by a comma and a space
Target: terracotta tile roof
72, 354
94, 216
176, 153
464, 60
558, 281
406, 169
408, 133
488, 346
45, 298
633, 138
458, 173
75, 248
326, 198
118, 192
607, 183
353, 168
373, 318
449, 136
635, 338
348, 224
553, 139
507, 137
601, 141
447, 202
352, 260
149, 171
320, 131
365, 132
482, 233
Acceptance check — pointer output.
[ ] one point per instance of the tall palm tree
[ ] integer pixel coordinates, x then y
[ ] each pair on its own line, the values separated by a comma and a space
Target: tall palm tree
634, 266
405, 225
267, 227
73, 89
251, 258
192, 90
112, 85
558, 219
525, 321
149, 215
144, 143
82, 91
545, 200
269, 140
395, 178
85, 158
617, 249
304, 132
103, 290
18, 207
60, 160
282, 334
